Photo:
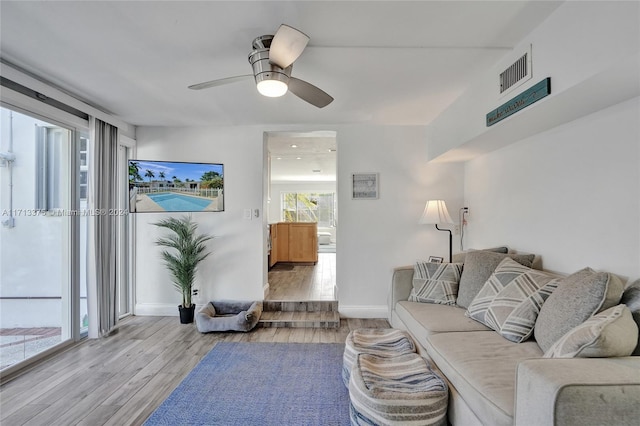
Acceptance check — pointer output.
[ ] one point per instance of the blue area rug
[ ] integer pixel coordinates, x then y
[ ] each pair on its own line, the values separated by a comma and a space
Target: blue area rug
261, 384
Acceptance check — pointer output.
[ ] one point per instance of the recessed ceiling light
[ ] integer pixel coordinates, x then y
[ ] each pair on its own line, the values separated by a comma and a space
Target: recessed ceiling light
298, 158
279, 158
294, 146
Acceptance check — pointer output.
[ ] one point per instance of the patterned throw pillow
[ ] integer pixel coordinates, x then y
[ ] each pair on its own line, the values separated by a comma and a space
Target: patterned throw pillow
510, 300
610, 333
478, 267
436, 282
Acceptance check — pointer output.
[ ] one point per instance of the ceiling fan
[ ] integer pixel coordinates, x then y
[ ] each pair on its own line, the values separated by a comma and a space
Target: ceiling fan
272, 59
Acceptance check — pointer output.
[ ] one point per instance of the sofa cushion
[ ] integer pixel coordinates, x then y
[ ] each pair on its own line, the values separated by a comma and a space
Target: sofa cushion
511, 298
424, 319
577, 298
631, 298
481, 365
478, 267
610, 333
436, 282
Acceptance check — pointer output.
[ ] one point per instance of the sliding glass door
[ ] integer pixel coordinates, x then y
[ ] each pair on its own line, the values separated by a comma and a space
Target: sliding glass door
43, 175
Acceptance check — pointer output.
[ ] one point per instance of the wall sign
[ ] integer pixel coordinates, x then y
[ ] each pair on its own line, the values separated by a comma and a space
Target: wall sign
523, 100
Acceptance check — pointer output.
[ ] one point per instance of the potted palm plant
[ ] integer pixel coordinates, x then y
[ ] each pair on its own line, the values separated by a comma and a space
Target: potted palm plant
188, 250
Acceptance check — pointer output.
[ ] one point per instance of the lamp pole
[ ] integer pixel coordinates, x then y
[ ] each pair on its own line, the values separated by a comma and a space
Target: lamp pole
450, 242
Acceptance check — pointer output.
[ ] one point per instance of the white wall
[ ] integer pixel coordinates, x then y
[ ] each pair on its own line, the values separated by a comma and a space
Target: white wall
591, 52
560, 178
571, 194
374, 236
237, 267
512, 193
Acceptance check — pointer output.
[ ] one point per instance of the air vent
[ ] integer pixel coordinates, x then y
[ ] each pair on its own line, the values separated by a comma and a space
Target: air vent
517, 73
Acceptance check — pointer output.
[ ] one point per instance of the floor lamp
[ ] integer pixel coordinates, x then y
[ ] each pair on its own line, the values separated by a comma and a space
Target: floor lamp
435, 212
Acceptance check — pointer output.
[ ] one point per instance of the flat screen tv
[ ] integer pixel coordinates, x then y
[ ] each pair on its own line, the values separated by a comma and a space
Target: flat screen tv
172, 186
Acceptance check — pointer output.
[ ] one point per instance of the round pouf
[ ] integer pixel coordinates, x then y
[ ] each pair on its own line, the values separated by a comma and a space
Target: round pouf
384, 342
396, 391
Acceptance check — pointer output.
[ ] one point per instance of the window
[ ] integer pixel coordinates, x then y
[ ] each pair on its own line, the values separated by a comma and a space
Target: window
309, 207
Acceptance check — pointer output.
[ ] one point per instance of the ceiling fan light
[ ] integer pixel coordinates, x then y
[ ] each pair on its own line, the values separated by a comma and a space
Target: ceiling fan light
272, 88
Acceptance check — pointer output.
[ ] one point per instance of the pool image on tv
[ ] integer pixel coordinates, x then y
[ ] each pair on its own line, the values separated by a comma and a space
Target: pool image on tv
172, 186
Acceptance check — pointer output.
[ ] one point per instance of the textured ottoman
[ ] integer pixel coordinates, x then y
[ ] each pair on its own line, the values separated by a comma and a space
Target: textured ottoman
396, 391
385, 342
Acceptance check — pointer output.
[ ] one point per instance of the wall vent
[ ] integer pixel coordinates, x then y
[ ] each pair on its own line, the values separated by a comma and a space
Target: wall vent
516, 73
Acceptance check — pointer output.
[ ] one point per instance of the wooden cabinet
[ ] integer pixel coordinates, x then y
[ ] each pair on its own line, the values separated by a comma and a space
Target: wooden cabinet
273, 253
283, 242
303, 242
294, 242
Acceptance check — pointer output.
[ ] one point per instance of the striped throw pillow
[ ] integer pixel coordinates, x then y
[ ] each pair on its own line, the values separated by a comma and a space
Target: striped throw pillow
510, 300
436, 282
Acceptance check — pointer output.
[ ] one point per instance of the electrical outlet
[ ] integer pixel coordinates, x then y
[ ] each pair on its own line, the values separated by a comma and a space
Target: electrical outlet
456, 230
247, 214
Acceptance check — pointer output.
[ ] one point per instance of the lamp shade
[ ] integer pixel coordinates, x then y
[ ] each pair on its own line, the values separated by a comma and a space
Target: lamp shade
435, 212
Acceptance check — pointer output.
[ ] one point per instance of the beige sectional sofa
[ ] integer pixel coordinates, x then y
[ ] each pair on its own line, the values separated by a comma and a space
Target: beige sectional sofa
494, 381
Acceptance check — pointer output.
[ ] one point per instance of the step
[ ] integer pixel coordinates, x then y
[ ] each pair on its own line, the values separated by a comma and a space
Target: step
300, 306
300, 319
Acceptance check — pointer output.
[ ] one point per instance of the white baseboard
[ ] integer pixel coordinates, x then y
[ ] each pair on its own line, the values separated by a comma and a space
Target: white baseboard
346, 311
363, 311
156, 309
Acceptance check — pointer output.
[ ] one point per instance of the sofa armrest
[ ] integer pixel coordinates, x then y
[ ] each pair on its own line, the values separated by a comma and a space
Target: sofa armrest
401, 285
579, 391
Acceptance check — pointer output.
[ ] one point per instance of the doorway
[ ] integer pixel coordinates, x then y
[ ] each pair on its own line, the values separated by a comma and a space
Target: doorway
302, 188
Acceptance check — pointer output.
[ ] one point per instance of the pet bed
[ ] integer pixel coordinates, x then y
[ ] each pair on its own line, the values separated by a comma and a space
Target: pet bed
228, 316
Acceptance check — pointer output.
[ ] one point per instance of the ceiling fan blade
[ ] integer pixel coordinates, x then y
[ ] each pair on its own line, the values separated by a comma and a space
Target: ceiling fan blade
287, 45
219, 82
309, 93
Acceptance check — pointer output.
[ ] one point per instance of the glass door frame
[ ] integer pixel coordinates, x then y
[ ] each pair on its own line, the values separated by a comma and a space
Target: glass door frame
125, 246
71, 306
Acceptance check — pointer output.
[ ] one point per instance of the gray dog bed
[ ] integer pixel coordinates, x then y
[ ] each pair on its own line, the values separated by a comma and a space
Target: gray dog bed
228, 316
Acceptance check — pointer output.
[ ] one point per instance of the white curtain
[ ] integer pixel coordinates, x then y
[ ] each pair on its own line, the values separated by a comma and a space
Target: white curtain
101, 242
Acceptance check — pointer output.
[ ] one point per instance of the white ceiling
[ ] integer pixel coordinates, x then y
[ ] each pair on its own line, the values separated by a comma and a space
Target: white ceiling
302, 156
384, 62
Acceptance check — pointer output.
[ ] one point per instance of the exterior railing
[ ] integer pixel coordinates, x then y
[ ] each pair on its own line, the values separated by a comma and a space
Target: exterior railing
208, 192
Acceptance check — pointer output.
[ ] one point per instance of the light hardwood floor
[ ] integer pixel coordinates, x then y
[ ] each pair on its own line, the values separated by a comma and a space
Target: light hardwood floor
121, 379
304, 282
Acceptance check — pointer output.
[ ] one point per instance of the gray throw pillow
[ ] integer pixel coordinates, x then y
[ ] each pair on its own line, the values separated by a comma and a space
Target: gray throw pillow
577, 298
478, 267
631, 298
610, 333
460, 257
